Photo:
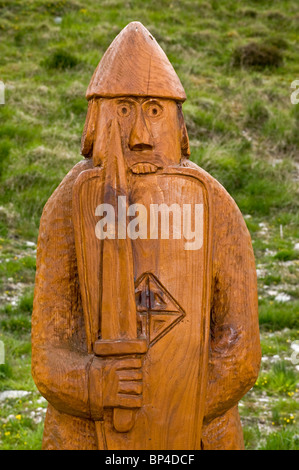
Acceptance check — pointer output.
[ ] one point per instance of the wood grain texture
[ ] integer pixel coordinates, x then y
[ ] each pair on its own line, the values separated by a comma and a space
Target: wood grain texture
174, 366
60, 358
138, 342
135, 49
185, 346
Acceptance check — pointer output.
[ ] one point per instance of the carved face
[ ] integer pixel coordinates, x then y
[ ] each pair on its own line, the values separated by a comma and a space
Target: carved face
149, 127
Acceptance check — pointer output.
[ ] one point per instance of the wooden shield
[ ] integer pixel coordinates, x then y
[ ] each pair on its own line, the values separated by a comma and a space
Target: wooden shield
173, 289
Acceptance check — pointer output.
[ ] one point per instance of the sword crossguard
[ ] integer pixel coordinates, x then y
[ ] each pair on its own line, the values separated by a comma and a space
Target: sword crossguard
119, 347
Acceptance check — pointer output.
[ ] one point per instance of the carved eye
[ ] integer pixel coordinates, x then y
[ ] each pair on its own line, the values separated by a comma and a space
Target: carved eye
153, 110
124, 110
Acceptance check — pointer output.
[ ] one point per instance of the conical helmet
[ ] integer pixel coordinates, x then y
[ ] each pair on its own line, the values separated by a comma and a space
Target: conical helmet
135, 65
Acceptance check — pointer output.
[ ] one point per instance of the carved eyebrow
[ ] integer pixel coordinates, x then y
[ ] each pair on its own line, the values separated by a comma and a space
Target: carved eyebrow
142, 100
151, 100
125, 100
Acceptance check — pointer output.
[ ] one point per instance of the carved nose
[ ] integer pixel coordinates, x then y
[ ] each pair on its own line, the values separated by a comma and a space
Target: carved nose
140, 138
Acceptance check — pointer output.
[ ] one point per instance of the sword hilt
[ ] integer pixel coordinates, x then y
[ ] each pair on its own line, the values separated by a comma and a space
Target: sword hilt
119, 347
123, 418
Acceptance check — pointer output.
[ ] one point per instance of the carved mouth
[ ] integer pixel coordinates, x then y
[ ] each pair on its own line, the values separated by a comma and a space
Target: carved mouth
143, 168
142, 148
144, 157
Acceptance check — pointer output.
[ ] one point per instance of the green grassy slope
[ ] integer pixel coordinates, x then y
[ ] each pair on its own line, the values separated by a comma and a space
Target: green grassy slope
243, 129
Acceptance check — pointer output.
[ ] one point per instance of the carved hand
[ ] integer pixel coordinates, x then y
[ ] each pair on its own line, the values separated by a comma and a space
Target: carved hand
122, 383
115, 383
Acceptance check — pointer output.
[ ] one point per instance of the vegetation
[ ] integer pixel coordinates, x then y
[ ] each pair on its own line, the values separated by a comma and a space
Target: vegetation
236, 61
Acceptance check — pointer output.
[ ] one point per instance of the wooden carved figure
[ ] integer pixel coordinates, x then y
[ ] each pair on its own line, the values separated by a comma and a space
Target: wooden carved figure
145, 326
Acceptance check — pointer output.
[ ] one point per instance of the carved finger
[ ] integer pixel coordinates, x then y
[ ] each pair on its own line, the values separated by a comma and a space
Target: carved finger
134, 388
125, 364
130, 375
130, 401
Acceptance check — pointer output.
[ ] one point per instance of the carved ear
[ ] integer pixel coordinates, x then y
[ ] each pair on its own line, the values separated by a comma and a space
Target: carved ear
185, 147
89, 129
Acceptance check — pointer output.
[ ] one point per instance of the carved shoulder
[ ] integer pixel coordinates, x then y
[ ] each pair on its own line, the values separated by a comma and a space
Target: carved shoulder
59, 203
228, 222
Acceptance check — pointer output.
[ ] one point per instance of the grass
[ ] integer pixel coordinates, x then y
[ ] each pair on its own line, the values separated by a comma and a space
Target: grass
257, 55
277, 315
236, 61
280, 379
283, 440
22, 429
60, 60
